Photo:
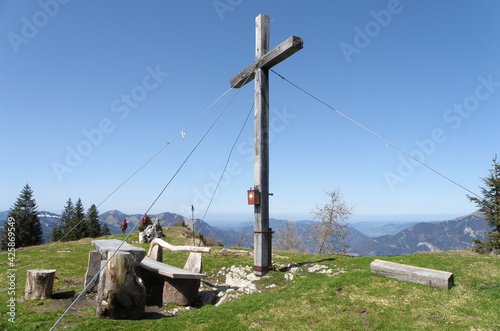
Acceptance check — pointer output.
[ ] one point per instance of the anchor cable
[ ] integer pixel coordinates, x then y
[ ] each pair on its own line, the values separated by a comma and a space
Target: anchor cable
372, 133
227, 162
130, 177
151, 206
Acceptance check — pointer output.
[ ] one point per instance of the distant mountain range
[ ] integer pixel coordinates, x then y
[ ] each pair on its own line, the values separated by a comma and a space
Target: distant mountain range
113, 219
380, 228
397, 239
422, 237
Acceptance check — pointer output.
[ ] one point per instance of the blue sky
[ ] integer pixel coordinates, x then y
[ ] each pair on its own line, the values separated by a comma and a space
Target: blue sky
91, 90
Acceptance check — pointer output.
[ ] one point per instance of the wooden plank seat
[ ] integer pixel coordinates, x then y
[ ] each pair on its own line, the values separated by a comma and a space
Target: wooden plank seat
174, 284
167, 270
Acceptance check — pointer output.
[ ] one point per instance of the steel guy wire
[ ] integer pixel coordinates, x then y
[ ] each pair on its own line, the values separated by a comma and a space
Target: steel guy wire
159, 195
135, 173
227, 162
388, 143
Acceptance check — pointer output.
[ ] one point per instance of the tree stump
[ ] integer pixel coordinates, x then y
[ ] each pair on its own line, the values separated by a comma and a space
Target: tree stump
119, 295
39, 284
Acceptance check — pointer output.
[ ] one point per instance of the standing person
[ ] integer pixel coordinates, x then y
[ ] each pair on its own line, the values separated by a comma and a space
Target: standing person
145, 221
124, 226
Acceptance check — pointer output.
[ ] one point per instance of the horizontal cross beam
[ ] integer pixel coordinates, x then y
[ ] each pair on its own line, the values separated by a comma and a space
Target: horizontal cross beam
280, 53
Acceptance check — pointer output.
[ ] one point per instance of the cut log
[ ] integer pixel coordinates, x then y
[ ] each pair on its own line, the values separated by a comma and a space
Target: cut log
39, 284
194, 263
173, 248
119, 295
234, 252
406, 273
156, 253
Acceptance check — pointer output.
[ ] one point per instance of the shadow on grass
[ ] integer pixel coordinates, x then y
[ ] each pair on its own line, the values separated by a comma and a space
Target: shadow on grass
296, 265
63, 295
153, 316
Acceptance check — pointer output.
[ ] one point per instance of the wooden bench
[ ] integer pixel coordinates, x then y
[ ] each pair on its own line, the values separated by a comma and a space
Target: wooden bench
176, 285
406, 273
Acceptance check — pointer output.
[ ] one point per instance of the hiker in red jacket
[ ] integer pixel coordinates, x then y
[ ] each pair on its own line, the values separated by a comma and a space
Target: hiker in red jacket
124, 226
145, 221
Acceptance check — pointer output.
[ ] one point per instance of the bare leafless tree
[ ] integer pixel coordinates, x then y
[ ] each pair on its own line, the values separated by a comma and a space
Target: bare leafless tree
329, 226
244, 239
287, 238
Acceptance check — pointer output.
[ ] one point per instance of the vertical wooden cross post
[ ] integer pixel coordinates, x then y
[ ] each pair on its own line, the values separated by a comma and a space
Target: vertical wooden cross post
259, 70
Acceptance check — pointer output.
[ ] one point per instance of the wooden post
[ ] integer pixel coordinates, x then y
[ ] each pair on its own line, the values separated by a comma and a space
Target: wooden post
262, 239
92, 269
259, 70
39, 284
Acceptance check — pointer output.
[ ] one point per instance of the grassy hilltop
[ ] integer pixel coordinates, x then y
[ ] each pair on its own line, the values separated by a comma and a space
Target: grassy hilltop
354, 299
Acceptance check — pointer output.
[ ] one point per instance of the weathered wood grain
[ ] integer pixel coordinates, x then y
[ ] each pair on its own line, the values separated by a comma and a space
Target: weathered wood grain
280, 53
164, 244
110, 245
39, 284
406, 273
169, 271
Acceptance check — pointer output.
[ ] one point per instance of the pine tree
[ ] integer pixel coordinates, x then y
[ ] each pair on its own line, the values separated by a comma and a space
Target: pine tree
27, 227
55, 234
78, 222
105, 230
65, 223
489, 205
66, 220
92, 226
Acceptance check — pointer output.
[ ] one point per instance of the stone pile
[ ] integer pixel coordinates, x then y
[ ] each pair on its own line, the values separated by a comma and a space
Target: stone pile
151, 232
239, 280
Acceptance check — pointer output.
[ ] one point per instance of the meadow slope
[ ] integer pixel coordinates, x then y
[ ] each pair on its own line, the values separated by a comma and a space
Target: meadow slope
349, 297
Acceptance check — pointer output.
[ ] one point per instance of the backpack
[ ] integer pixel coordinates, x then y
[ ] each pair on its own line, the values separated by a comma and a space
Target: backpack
124, 225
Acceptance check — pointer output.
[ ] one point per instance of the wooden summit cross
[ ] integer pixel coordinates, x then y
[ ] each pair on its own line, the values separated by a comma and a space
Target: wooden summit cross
259, 70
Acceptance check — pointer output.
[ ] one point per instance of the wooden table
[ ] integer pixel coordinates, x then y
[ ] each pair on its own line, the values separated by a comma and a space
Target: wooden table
104, 247
119, 295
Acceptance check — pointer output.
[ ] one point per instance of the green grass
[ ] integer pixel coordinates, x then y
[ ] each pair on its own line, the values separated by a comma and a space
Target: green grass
352, 300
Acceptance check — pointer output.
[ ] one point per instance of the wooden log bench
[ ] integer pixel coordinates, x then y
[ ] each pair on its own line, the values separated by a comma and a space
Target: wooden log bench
177, 285
406, 273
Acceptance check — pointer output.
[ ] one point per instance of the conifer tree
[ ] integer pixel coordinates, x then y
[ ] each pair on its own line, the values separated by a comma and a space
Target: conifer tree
65, 223
105, 230
78, 221
92, 226
26, 225
55, 234
489, 205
